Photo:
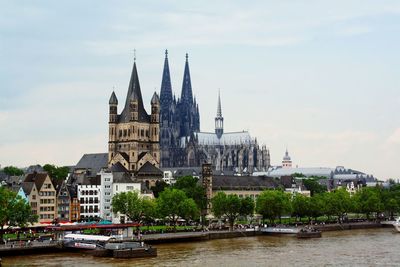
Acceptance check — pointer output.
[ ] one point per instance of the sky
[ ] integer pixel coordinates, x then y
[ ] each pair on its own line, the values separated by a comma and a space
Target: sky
320, 78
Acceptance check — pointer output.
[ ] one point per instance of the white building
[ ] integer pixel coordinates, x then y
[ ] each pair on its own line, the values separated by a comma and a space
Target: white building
168, 178
106, 182
89, 198
123, 182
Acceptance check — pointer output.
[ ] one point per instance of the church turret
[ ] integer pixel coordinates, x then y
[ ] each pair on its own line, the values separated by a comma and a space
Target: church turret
219, 120
113, 118
113, 103
155, 108
155, 126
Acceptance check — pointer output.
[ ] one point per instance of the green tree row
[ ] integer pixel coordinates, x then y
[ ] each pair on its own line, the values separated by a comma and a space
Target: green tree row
273, 204
171, 204
54, 172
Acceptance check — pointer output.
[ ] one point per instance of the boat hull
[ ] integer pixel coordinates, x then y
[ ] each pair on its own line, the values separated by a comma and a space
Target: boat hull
309, 234
135, 253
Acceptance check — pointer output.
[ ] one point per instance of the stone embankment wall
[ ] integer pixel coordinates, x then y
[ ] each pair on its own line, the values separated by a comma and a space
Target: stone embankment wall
347, 226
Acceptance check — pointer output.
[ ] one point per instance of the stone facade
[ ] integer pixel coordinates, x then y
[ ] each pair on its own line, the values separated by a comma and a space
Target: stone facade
133, 134
32, 195
46, 196
63, 201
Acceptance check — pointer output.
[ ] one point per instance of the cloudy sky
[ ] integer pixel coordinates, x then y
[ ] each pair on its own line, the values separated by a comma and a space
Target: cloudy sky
318, 77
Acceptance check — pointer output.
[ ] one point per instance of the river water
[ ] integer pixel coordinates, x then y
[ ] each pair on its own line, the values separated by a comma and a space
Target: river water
369, 247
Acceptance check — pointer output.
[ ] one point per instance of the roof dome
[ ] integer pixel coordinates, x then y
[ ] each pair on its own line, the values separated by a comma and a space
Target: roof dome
286, 157
113, 99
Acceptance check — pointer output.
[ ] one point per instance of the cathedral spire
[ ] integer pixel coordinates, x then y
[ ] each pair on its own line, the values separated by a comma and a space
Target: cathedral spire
219, 120
219, 109
166, 88
186, 95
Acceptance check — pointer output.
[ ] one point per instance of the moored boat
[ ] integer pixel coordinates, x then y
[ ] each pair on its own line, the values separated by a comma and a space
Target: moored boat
309, 233
279, 230
125, 250
85, 242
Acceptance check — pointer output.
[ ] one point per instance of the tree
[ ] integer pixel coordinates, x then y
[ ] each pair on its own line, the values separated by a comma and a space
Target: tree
316, 206
301, 206
247, 207
391, 206
368, 200
192, 189
158, 188
57, 173
149, 207
13, 171
272, 204
130, 204
14, 210
314, 187
174, 204
337, 203
228, 206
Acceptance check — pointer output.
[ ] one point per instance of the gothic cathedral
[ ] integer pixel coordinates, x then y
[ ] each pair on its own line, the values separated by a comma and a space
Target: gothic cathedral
182, 143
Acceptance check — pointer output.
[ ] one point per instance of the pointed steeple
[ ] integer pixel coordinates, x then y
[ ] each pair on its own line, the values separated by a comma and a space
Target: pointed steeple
186, 95
134, 93
219, 120
219, 109
166, 88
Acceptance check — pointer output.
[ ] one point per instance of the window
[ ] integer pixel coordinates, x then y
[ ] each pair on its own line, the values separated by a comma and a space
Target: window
107, 179
129, 187
33, 196
107, 193
107, 186
116, 188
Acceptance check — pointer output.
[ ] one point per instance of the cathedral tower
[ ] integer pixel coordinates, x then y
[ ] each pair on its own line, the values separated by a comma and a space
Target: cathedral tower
179, 119
133, 135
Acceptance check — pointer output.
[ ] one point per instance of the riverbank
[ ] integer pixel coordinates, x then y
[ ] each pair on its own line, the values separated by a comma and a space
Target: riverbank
181, 237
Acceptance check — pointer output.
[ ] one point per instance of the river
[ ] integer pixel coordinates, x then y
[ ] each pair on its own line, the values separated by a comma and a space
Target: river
368, 247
